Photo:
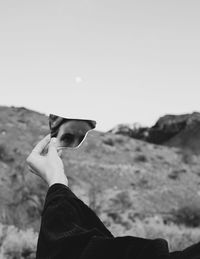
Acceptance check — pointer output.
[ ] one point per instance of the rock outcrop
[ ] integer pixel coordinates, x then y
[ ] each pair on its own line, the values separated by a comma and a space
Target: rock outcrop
181, 131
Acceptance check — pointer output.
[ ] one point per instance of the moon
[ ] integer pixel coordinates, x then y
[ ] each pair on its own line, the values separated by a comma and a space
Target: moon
78, 79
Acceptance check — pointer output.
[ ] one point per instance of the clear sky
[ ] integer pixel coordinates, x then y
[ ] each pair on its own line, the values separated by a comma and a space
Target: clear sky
112, 61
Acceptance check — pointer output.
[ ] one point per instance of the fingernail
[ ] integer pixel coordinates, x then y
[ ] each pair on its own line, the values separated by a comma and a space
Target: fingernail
53, 140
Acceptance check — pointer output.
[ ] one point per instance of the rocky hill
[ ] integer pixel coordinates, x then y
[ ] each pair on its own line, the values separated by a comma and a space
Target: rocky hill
123, 179
182, 131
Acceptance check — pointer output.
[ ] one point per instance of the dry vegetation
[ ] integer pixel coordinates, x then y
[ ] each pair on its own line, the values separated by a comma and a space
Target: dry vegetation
136, 188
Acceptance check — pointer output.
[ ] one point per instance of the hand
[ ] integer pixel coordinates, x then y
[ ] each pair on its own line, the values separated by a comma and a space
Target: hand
50, 166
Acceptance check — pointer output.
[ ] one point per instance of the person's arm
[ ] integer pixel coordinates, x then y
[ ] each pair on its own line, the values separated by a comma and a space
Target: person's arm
66, 222
191, 252
75, 210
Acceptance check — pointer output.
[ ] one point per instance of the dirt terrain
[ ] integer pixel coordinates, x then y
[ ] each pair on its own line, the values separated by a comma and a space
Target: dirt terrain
123, 179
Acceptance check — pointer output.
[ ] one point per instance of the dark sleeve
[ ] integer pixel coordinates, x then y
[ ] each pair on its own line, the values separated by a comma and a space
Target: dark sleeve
67, 224
191, 252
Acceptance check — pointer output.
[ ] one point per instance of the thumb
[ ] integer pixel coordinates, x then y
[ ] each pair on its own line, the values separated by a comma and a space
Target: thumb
60, 153
52, 146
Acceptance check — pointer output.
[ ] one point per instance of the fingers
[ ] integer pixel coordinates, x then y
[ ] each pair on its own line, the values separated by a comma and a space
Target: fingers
60, 153
52, 147
31, 170
41, 145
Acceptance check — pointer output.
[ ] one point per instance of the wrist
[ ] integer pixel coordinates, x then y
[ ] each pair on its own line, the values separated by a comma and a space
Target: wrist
58, 179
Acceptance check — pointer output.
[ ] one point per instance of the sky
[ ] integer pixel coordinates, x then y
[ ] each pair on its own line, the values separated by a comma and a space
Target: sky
111, 61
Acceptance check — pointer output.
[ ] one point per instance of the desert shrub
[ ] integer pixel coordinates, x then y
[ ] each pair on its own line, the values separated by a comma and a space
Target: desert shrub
176, 173
133, 185
94, 192
90, 147
17, 244
133, 216
124, 198
138, 149
4, 155
140, 158
126, 148
143, 183
178, 238
137, 171
173, 176
109, 141
188, 216
122, 201
187, 157
115, 217
119, 139
119, 219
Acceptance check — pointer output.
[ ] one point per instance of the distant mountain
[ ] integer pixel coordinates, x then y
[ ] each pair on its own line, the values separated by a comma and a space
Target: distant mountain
188, 132
113, 174
182, 131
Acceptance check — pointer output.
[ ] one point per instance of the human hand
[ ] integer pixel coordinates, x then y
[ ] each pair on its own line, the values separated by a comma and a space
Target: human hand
50, 166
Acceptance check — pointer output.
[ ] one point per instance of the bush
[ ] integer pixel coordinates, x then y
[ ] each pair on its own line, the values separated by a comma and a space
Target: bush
119, 219
143, 183
140, 158
109, 141
119, 139
122, 201
188, 216
177, 237
175, 174
17, 244
138, 149
4, 155
187, 156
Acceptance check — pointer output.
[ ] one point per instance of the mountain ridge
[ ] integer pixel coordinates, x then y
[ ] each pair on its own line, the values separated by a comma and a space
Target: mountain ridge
182, 131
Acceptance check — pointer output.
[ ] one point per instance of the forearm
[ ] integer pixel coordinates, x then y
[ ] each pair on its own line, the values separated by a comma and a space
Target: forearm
71, 209
59, 219
65, 216
57, 179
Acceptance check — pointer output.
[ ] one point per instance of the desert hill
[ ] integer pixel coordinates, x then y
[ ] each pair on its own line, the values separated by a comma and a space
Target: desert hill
182, 131
123, 179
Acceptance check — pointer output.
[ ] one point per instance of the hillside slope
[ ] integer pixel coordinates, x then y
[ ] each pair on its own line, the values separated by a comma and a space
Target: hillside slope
113, 174
180, 131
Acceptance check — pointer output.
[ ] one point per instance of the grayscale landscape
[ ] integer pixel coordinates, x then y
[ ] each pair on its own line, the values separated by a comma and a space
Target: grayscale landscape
140, 181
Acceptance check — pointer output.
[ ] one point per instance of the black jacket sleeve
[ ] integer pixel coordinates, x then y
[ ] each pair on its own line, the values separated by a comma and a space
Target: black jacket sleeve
71, 230
67, 225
